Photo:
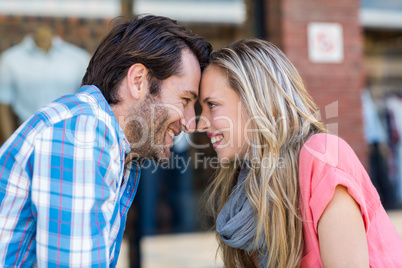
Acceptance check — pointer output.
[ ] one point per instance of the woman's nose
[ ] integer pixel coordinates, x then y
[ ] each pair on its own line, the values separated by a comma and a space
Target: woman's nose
203, 124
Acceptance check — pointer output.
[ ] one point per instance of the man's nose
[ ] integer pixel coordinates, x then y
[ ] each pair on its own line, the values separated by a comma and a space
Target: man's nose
188, 125
188, 121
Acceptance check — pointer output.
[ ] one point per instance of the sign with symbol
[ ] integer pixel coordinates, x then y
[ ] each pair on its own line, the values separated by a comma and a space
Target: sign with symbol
325, 42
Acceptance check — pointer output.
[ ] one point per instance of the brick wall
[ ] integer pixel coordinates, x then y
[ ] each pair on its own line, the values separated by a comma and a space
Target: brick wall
286, 26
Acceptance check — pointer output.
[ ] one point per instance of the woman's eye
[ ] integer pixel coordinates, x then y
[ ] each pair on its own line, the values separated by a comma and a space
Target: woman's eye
211, 105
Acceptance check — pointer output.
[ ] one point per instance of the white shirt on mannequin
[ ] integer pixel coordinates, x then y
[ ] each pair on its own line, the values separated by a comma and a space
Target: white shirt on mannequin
31, 78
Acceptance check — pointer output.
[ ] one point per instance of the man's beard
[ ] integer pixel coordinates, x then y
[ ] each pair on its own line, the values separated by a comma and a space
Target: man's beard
146, 130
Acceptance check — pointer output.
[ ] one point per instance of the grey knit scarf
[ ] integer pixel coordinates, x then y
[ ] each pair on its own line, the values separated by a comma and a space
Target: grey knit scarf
236, 224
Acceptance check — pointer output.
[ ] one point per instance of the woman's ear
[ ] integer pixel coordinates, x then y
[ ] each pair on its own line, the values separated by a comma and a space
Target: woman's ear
137, 81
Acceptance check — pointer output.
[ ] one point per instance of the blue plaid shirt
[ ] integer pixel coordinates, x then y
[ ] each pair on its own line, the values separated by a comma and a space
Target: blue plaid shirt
64, 198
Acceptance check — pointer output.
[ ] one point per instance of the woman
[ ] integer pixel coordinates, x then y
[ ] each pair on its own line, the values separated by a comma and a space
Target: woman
287, 194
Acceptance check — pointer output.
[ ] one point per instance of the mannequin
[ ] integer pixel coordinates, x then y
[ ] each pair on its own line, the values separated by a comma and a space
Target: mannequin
43, 38
35, 72
8, 120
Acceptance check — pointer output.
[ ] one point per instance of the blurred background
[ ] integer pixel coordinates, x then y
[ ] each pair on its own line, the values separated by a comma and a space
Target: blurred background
348, 52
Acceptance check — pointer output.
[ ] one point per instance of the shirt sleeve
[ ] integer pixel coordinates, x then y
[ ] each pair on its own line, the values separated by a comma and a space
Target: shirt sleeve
6, 79
73, 193
327, 161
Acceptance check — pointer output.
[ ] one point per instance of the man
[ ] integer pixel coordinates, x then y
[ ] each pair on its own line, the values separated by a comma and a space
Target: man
67, 179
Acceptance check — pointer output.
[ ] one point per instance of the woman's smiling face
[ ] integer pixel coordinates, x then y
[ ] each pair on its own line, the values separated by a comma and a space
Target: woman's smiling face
222, 116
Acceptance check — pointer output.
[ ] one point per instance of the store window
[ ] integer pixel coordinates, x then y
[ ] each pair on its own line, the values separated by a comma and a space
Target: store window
62, 8
381, 14
210, 11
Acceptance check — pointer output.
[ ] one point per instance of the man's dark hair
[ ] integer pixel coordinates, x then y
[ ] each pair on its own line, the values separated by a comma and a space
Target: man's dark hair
157, 42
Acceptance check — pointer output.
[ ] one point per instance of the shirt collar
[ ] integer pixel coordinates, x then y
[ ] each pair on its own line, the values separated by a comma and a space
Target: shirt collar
29, 44
95, 93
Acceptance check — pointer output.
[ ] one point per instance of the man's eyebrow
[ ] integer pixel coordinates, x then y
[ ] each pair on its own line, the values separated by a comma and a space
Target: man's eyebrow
194, 96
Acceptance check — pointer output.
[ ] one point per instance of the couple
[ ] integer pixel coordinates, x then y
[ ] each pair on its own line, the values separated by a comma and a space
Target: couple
297, 197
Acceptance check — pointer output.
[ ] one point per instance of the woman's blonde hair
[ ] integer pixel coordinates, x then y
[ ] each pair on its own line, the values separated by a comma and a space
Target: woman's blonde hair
283, 116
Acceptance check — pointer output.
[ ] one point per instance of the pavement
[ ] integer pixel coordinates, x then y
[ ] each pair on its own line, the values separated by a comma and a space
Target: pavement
396, 218
194, 250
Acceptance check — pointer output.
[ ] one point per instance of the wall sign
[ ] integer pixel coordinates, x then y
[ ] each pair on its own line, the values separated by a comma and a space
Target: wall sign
325, 42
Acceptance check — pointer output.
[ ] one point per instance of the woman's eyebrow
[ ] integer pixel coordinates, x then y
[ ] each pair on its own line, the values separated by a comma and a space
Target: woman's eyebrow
206, 100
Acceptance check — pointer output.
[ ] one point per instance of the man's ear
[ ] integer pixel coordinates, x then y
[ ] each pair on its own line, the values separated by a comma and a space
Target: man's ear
137, 80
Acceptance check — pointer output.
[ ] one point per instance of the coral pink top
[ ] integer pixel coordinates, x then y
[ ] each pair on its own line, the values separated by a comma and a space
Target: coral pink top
325, 162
